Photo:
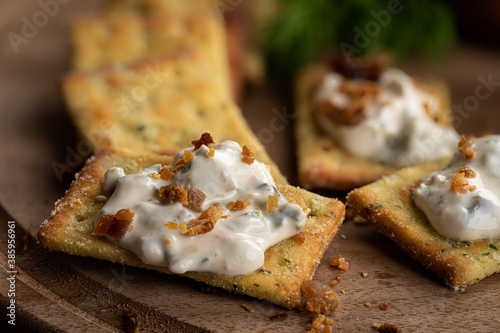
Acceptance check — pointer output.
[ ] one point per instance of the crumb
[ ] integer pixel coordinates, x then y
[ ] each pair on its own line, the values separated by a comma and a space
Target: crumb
211, 152
132, 323
114, 225
167, 241
272, 203
205, 223
174, 193
468, 172
247, 307
342, 291
336, 280
367, 304
238, 205
208, 290
339, 262
166, 172
460, 184
319, 298
343, 236
364, 274
386, 328
465, 147
319, 323
195, 199
279, 316
384, 306
25, 240
188, 156
248, 155
205, 139
301, 237
154, 175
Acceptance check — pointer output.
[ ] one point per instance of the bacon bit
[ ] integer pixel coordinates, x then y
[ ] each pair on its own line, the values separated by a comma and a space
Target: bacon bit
468, 172
248, 155
350, 116
367, 304
384, 306
167, 241
187, 157
319, 298
195, 198
387, 328
208, 290
360, 68
300, 237
339, 262
182, 227
336, 281
205, 223
272, 203
357, 90
460, 184
171, 225
154, 175
211, 152
247, 307
174, 193
114, 225
465, 146
238, 205
279, 316
166, 172
205, 139
132, 321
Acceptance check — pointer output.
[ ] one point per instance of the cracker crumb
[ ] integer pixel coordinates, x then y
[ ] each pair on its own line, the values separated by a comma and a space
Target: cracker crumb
320, 299
279, 316
342, 291
238, 205
319, 323
114, 225
384, 306
300, 237
363, 274
367, 304
465, 146
247, 307
248, 155
340, 262
272, 203
205, 139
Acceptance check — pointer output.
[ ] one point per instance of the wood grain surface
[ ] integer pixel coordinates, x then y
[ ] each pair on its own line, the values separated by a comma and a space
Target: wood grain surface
40, 152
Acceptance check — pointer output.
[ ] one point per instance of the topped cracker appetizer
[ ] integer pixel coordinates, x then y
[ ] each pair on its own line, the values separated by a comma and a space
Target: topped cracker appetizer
358, 121
445, 214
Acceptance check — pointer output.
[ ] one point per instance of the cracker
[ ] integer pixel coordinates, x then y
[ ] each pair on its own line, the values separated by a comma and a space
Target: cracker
288, 264
321, 163
388, 205
158, 105
110, 40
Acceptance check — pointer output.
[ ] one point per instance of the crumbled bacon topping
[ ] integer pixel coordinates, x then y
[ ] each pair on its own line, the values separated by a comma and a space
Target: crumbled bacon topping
465, 146
202, 225
350, 116
205, 139
384, 306
186, 158
360, 68
114, 225
195, 199
319, 298
238, 205
468, 172
166, 172
279, 316
301, 237
211, 152
339, 262
336, 280
272, 203
460, 184
387, 328
248, 155
174, 193
361, 89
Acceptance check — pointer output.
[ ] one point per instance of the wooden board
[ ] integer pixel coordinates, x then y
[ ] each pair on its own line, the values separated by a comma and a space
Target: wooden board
73, 294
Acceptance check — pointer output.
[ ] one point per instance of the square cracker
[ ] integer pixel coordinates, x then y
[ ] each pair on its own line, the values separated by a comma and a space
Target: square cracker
323, 164
158, 105
288, 264
110, 40
387, 203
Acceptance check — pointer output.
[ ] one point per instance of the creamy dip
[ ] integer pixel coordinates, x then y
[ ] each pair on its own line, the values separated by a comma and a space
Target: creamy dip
472, 215
237, 243
396, 128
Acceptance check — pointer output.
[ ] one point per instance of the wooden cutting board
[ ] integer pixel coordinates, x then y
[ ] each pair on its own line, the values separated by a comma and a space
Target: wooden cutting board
39, 154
